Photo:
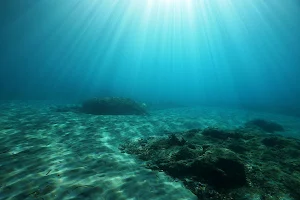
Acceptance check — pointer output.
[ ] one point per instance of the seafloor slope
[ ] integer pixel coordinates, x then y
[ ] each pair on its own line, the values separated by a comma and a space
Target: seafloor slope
66, 155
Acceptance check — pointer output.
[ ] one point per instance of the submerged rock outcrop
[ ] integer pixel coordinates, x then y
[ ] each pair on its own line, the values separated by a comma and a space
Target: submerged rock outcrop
225, 164
106, 106
267, 126
113, 106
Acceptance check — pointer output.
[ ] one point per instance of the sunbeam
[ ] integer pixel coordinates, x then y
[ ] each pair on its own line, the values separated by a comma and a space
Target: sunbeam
149, 99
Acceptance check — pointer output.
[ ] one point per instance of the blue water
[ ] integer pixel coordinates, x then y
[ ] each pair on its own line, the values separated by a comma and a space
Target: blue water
220, 52
215, 63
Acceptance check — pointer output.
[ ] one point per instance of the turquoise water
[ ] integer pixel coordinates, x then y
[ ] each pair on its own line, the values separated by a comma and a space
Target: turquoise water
204, 71
219, 51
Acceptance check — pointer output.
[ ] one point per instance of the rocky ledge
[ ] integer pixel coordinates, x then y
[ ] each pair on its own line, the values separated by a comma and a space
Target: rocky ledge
245, 163
107, 106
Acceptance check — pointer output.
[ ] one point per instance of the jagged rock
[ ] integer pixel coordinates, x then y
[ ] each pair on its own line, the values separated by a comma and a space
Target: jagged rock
237, 148
184, 154
113, 106
223, 173
264, 125
224, 165
175, 141
192, 133
274, 142
219, 134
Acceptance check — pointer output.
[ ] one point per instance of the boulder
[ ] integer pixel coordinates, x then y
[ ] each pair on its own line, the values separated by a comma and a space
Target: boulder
267, 126
224, 164
113, 106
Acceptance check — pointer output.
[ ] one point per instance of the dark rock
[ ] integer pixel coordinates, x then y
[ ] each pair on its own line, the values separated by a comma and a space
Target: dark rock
274, 142
264, 125
184, 153
191, 146
192, 132
175, 141
113, 106
233, 174
220, 134
205, 147
293, 184
215, 133
222, 174
224, 165
237, 148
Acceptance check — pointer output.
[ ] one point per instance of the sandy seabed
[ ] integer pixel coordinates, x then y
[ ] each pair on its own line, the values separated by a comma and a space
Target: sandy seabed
64, 155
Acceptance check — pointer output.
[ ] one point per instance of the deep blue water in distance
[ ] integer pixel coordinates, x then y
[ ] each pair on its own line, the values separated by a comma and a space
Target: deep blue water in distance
217, 52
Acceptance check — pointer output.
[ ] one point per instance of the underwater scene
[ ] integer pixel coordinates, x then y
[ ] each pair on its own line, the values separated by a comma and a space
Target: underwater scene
149, 100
